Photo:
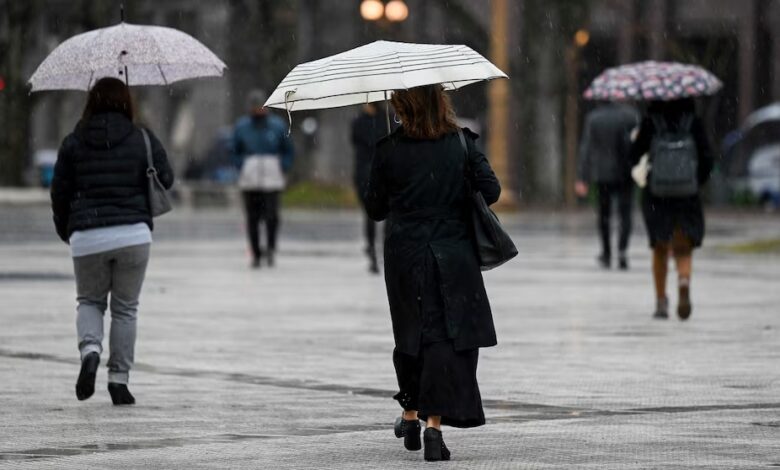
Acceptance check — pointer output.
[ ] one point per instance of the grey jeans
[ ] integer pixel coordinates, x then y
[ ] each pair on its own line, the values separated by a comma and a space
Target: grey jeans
120, 273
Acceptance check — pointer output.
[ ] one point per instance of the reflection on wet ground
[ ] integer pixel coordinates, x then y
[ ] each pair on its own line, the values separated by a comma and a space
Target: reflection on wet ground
523, 411
33, 276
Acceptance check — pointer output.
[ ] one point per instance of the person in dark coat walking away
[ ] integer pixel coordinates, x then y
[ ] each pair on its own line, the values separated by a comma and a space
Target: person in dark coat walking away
671, 204
439, 309
263, 152
367, 129
101, 208
604, 162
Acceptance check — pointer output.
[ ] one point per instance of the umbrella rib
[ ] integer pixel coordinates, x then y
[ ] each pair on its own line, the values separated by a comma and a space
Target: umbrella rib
449, 61
308, 67
165, 80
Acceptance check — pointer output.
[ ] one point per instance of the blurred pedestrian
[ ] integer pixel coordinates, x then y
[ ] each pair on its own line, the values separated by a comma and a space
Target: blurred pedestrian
439, 309
604, 162
264, 153
680, 163
367, 129
101, 208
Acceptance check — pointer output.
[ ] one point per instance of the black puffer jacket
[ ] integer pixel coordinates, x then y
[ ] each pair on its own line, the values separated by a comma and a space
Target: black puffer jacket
100, 175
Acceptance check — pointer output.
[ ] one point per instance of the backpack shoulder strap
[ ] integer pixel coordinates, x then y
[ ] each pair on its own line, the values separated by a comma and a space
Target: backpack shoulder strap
686, 122
659, 122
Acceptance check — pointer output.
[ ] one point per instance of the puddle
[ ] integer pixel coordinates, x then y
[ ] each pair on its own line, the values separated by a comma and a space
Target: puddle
770, 424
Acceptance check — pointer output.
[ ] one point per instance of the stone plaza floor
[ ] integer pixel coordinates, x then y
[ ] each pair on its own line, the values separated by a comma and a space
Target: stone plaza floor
290, 368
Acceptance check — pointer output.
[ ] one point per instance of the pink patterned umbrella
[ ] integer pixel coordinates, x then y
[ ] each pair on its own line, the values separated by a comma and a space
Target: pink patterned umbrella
653, 81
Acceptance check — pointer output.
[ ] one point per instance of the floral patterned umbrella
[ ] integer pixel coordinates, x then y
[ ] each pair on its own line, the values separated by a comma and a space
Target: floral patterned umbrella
653, 81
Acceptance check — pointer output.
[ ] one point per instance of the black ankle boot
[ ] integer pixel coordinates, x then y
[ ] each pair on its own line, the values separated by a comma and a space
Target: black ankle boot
85, 385
120, 395
410, 431
684, 307
434, 446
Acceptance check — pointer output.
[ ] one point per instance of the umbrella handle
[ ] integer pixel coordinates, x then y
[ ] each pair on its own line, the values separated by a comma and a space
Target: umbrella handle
387, 113
287, 108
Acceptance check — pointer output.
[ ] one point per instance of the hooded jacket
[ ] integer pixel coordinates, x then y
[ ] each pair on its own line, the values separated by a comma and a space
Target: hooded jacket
100, 175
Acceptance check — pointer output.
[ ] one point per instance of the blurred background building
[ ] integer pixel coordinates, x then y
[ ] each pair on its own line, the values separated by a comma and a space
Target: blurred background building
551, 49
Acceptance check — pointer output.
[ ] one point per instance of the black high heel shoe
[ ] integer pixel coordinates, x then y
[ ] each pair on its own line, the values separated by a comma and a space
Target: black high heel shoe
434, 446
410, 431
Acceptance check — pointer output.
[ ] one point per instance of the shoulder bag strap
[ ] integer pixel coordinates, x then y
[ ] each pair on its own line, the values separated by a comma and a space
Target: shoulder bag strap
465, 147
150, 169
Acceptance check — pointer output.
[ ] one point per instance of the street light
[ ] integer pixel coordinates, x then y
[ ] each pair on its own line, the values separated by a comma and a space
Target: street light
396, 11
582, 38
372, 10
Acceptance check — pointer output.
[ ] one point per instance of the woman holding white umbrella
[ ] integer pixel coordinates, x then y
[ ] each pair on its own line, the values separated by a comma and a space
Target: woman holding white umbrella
422, 178
110, 177
440, 312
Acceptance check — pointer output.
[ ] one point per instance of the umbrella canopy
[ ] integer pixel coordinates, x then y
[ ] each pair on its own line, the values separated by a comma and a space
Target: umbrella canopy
369, 72
136, 54
761, 129
766, 115
653, 81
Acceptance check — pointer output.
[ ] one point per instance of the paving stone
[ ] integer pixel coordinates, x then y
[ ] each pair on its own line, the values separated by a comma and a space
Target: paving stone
290, 367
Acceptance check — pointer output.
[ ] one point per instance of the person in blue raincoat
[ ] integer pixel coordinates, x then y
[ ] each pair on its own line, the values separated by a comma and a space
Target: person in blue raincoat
263, 152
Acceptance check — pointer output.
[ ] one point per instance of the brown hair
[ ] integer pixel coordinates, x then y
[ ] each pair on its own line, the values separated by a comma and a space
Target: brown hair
109, 95
426, 111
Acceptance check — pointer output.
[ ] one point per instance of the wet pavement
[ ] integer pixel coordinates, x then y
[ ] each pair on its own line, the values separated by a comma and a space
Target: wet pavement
291, 367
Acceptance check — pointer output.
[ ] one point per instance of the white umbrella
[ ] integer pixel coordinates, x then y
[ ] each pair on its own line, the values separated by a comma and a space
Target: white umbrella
369, 73
137, 54
765, 115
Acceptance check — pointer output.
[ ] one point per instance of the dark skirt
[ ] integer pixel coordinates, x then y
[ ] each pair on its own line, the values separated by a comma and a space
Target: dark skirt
663, 215
439, 381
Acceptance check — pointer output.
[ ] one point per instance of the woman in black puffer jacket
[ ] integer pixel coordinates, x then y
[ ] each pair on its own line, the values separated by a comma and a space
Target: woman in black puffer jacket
101, 209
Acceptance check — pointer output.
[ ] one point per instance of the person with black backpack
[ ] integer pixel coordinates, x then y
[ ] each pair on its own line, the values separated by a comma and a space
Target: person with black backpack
680, 162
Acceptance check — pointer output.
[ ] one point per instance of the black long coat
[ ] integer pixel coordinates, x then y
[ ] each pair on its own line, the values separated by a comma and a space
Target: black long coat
419, 186
662, 215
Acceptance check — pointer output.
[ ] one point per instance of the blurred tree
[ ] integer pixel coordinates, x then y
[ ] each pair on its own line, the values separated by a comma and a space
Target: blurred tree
15, 38
547, 33
261, 48
22, 27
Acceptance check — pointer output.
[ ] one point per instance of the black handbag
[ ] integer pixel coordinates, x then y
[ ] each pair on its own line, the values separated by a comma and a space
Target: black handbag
493, 245
159, 203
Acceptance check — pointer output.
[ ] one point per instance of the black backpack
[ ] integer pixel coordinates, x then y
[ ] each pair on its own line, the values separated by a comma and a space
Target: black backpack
674, 160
